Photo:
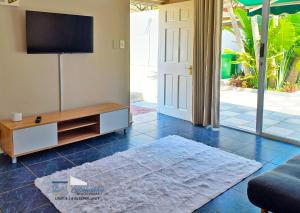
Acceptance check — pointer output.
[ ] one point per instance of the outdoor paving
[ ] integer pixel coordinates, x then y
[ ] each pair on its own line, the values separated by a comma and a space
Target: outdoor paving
281, 114
145, 104
238, 110
137, 110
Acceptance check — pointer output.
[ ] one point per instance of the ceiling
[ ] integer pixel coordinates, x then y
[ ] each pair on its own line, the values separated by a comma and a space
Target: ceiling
142, 5
150, 2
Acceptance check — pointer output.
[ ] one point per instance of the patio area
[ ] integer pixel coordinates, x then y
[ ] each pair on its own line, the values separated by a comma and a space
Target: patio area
142, 107
238, 110
281, 111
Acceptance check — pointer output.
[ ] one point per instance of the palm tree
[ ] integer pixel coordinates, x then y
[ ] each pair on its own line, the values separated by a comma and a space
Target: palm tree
283, 58
235, 26
281, 54
256, 39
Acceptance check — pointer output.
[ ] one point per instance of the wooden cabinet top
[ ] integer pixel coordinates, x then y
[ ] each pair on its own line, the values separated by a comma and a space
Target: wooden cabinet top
63, 116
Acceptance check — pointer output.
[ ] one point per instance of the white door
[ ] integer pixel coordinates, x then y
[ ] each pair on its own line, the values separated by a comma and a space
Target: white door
175, 60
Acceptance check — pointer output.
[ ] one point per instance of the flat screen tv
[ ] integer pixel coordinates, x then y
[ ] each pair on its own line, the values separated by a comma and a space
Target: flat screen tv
58, 33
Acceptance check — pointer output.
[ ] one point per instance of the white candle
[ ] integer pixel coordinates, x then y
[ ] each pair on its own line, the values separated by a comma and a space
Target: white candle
16, 116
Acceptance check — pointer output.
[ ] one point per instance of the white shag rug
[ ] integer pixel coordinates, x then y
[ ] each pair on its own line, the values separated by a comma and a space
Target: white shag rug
173, 174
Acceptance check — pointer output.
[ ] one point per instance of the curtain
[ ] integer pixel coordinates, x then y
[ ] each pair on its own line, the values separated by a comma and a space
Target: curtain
207, 61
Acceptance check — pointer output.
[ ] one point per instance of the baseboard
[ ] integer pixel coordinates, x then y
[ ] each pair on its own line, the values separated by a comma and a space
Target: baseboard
130, 118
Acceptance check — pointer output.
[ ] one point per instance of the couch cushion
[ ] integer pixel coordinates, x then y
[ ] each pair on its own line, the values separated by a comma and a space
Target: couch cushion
278, 190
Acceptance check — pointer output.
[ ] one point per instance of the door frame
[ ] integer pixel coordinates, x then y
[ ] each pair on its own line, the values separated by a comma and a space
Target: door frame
266, 7
262, 67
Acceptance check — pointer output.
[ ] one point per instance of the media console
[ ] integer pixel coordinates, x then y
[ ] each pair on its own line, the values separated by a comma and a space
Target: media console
61, 128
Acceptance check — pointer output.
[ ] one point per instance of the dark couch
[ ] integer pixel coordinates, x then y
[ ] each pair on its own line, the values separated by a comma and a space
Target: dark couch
278, 190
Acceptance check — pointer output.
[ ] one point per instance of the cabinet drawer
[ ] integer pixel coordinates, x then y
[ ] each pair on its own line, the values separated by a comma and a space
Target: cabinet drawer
35, 138
113, 121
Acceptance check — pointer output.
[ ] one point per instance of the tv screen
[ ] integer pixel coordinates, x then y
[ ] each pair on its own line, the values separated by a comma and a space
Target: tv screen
58, 33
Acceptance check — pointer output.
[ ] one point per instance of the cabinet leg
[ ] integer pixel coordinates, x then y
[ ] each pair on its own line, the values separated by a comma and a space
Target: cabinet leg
14, 160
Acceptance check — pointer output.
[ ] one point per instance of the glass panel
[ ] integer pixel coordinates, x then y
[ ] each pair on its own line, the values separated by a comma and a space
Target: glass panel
239, 79
282, 95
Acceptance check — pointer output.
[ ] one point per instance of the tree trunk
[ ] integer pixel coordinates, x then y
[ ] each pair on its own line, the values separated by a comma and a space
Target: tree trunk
237, 32
272, 73
294, 73
256, 39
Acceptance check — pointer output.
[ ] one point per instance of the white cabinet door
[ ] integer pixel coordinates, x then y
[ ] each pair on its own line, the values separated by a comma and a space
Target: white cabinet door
34, 138
113, 121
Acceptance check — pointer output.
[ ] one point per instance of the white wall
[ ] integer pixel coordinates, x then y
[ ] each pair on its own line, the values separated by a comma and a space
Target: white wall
29, 83
228, 41
144, 54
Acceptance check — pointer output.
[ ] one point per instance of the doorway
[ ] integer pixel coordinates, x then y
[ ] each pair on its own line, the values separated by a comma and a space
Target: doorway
161, 59
144, 25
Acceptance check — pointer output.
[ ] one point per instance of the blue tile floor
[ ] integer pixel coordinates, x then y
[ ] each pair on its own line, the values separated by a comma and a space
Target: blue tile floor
18, 193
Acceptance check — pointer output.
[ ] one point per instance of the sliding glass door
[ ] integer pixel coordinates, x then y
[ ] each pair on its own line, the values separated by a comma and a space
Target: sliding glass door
260, 85
238, 74
281, 97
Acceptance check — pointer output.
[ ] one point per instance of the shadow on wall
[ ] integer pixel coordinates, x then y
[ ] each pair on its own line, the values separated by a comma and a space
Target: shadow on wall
19, 31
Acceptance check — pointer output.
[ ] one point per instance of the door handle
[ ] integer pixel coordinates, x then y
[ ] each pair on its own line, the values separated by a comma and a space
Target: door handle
190, 70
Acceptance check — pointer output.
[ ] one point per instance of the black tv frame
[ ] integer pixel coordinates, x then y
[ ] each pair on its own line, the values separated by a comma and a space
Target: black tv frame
35, 51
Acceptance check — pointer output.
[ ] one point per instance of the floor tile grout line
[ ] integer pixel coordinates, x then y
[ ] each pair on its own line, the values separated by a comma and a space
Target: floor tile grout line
35, 175
61, 155
33, 209
89, 145
96, 148
101, 144
23, 166
43, 161
1, 193
74, 164
38, 191
149, 136
64, 157
2, 173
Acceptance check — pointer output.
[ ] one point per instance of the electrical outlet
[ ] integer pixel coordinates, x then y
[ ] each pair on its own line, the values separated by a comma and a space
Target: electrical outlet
122, 44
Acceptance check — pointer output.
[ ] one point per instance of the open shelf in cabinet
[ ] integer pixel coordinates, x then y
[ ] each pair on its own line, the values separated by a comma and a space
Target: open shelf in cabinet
78, 129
